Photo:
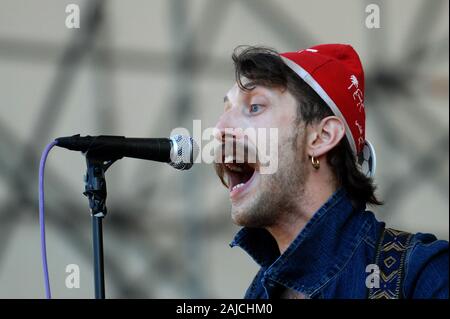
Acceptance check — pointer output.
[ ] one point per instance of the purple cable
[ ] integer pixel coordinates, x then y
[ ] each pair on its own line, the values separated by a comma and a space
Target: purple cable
42, 217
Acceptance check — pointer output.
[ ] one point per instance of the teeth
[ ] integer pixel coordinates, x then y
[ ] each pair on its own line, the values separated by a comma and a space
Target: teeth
229, 159
237, 186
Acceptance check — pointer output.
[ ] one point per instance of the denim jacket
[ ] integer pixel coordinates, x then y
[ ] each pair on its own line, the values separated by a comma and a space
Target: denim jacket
328, 258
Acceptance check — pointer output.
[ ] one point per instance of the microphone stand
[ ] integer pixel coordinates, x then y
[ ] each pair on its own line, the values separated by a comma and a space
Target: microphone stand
95, 191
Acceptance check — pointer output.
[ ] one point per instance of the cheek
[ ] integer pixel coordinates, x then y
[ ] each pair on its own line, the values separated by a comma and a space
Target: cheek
287, 135
264, 120
283, 118
292, 143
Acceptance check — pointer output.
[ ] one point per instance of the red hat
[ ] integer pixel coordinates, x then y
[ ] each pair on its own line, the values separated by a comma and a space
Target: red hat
335, 73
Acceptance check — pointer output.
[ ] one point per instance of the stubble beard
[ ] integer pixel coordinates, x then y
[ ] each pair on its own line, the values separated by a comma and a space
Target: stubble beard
278, 193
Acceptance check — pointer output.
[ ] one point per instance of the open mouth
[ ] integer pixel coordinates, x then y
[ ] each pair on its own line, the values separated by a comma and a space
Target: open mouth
237, 165
239, 175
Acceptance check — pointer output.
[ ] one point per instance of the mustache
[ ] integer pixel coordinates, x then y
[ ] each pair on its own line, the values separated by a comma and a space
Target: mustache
233, 151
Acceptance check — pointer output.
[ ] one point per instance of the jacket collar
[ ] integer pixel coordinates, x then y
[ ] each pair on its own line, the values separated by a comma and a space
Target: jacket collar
317, 254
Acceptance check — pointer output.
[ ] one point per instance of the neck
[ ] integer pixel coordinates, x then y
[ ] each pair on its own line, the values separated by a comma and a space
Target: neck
315, 194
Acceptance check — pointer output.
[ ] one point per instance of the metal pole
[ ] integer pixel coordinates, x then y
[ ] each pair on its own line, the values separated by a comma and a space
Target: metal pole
99, 271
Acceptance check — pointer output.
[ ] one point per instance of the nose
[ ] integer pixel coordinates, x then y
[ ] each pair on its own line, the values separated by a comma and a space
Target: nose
228, 125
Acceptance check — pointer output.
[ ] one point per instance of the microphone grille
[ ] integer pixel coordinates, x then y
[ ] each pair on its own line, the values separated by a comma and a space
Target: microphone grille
183, 153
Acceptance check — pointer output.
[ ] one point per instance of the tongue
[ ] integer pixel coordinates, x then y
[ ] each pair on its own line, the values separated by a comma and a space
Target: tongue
238, 178
233, 179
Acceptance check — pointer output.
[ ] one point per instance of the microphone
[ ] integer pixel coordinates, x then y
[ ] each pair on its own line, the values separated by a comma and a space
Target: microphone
179, 151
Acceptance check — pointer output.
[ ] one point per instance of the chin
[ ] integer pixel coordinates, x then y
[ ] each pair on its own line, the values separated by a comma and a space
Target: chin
248, 214
244, 214
239, 215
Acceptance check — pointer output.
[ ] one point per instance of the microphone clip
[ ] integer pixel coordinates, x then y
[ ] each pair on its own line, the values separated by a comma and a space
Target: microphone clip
95, 185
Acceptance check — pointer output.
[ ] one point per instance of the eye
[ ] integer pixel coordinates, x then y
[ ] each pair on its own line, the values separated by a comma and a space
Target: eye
255, 108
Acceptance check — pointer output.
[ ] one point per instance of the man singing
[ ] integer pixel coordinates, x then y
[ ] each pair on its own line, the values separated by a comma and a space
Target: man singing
306, 224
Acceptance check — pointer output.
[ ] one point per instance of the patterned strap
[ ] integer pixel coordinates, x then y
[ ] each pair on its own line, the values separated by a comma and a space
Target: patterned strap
390, 259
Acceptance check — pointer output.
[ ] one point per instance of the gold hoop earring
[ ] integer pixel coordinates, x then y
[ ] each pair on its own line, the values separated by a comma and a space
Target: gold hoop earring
315, 162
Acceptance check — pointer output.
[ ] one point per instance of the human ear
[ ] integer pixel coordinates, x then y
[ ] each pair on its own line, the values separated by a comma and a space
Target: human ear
324, 136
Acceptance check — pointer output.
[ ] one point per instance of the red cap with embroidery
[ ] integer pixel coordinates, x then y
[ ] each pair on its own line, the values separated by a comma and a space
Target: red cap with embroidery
335, 73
